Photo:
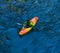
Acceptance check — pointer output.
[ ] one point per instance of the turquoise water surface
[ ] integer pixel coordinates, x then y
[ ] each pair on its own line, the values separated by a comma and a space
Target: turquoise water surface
44, 38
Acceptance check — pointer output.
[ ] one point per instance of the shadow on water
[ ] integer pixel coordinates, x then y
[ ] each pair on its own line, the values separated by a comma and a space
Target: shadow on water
25, 50
4, 47
8, 38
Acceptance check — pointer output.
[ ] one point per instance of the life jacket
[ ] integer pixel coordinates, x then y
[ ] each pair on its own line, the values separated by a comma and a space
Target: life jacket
28, 24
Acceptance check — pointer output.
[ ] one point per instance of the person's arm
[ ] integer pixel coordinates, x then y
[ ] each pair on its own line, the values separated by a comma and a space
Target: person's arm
25, 23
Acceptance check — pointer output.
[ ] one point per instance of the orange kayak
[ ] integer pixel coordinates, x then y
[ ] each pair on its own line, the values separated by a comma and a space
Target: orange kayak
26, 30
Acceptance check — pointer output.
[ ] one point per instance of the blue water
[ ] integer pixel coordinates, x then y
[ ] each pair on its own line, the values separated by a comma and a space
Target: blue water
44, 38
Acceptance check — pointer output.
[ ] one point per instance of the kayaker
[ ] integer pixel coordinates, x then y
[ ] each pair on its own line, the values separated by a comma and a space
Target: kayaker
28, 24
